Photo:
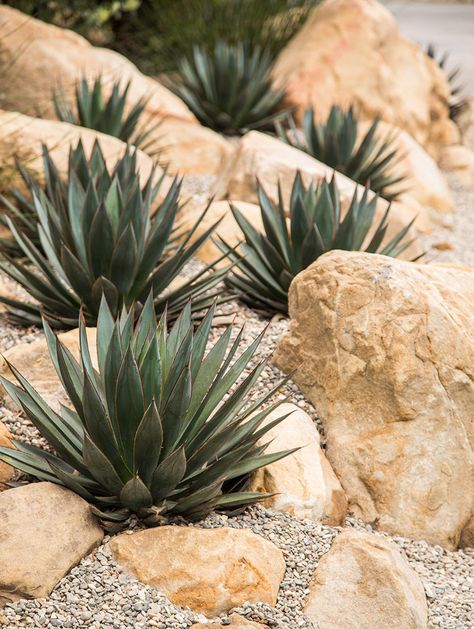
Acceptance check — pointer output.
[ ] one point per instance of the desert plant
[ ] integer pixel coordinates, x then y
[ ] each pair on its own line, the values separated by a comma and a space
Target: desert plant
335, 143
92, 109
97, 236
150, 433
457, 104
229, 88
268, 262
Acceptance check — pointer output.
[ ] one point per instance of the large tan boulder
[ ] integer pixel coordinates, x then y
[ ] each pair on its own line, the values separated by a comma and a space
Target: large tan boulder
6, 471
45, 530
213, 570
273, 162
21, 138
383, 349
38, 57
352, 52
33, 362
424, 181
304, 483
191, 149
363, 582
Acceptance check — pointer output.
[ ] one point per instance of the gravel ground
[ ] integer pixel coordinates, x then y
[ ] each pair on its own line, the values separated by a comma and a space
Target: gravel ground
98, 594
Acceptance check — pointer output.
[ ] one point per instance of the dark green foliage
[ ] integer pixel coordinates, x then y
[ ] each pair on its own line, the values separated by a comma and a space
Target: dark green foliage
92, 109
161, 32
150, 433
270, 261
335, 143
96, 236
229, 88
457, 104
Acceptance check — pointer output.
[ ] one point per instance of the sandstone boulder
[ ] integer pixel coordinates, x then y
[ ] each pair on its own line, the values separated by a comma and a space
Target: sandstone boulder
33, 362
21, 138
363, 582
352, 52
213, 570
38, 57
271, 161
304, 483
6, 471
45, 530
383, 349
459, 160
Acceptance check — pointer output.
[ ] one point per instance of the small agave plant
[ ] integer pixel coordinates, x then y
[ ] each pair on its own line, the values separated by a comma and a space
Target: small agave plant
268, 262
457, 103
372, 161
110, 115
229, 88
158, 427
96, 236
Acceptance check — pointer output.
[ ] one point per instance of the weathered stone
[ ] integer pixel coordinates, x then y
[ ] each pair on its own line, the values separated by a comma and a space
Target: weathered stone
227, 229
272, 162
6, 471
191, 149
235, 621
364, 582
304, 483
45, 530
38, 57
458, 160
21, 137
33, 362
351, 52
467, 536
383, 349
213, 570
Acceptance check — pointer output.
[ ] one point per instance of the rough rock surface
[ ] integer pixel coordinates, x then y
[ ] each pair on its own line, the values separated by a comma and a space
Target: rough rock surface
213, 571
235, 621
303, 482
45, 530
33, 362
37, 57
6, 471
271, 161
21, 138
383, 349
363, 582
352, 52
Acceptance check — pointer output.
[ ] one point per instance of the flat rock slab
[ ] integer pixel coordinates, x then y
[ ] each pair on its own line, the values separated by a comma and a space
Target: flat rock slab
363, 582
208, 570
45, 530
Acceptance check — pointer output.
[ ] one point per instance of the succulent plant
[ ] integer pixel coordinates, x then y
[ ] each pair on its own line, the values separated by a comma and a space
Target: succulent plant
97, 236
158, 427
229, 88
335, 143
268, 262
457, 104
92, 109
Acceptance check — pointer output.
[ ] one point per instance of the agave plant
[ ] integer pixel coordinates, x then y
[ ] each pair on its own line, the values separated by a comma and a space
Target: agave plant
229, 88
457, 104
371, 161
92, 109
150, 433
268, 262
97, 236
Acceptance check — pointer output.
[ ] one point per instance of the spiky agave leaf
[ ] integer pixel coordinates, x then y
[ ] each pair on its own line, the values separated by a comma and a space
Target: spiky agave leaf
229, 88
268, 261
110, 115
160, 426
457, 103
372, 161
97, 236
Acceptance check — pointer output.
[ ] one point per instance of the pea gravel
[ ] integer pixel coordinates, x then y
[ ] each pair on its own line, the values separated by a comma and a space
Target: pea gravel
98, 594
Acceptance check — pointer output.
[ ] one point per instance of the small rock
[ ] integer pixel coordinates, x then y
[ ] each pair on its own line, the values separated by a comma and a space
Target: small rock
6, 471
209, 571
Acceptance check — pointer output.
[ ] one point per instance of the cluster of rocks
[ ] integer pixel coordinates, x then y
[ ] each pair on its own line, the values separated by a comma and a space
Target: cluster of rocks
381, 347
